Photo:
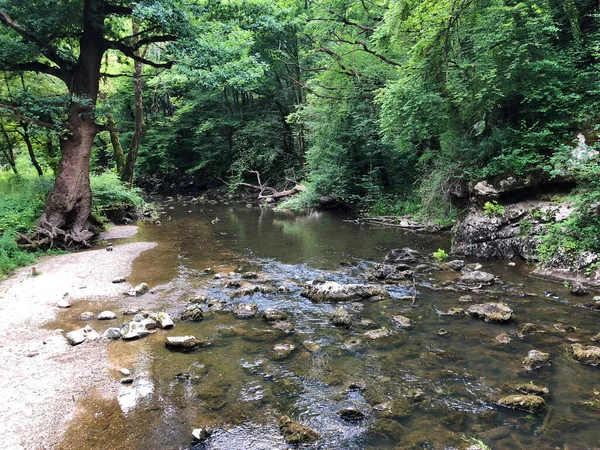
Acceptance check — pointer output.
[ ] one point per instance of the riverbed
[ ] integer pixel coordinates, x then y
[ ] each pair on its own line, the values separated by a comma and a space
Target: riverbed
434, 385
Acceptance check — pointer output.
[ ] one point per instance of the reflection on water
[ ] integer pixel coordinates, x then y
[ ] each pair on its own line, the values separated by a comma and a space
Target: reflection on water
417, 389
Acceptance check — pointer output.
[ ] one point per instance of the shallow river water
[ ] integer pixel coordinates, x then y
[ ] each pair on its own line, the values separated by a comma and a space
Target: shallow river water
442, 388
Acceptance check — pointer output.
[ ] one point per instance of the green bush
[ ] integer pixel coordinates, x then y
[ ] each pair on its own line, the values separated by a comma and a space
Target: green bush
108, 192
493, 209
22, 201
11, 256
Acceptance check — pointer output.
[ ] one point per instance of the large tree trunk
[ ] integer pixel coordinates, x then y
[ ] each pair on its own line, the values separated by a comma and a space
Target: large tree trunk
69, 204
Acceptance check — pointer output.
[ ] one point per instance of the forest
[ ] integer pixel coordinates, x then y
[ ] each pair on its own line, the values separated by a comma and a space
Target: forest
386, 107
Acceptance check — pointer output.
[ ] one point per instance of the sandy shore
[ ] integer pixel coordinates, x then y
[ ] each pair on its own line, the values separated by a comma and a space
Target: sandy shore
41, 376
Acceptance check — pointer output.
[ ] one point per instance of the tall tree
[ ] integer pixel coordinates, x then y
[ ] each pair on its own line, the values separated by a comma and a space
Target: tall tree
67, 40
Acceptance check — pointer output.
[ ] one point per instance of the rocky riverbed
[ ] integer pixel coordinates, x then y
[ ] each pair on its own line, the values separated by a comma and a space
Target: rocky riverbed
242, 346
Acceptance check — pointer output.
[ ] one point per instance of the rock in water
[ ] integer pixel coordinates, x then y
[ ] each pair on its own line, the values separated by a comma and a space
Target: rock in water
341, 318
184, 343
402, 322
112, 333
378, 334
578, 289
586, 354
529, 403
164, 320
331, 292
503, 338
456, 264
536, 360
351, 414
407, 255
118, 280
134, 330
245, 310
477, 276
294, 432
87, 315
274, 315
491, 312
80, 335
107, 315
63, 303
201, 434
140, 289
282, 351
193, 312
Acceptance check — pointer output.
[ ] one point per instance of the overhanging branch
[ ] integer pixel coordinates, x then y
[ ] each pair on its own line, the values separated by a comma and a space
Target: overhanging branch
130, 52
17, 115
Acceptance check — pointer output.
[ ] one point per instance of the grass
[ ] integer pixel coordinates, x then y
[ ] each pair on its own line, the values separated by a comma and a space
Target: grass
22, 199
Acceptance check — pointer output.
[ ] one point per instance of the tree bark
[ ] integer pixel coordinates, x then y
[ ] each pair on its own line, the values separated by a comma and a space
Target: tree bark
138, 112
116, 144
29, 145
69, 204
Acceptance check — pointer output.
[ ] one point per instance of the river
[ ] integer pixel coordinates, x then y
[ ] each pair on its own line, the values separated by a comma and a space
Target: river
442, 387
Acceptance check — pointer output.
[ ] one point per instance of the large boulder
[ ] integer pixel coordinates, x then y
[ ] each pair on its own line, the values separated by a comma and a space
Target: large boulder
586, 354
491, 312
332, 292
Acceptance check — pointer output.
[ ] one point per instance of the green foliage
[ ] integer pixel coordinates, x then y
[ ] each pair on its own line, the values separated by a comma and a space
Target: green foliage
109, 193
440, 255
22, 199
525, 227
11, 256
493, 208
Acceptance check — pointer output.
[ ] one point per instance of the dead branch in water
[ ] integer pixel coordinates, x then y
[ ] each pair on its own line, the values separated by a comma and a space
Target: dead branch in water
404, 222
273, 194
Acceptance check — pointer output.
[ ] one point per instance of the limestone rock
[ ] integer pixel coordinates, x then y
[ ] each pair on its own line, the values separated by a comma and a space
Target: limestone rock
536, 360
456, 311
402, 321
200, 434
164, 320
134, 330
491, 312
529, 403
192, 312
107, 315
63, 303
282, 351
274, 315
530, 388
406, 255
331, 292
112, 333
311, 346
476, 277
341, 318
378, 333
503, 338
87, 315
245, 310
456, 264
184, 343
80, 335
140, 289
578, 289
586, 354
294, 432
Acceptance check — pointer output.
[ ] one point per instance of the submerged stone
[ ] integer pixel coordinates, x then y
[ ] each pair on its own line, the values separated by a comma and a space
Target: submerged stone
402, 321
87, 315
536, 360
282, 351
274, 315
503, 338
529, 403
294, 432
245, 310
491, 312
388, 428
456, 311
311, 346
586, 354
331, 291
529, 329
378, 333
351, 414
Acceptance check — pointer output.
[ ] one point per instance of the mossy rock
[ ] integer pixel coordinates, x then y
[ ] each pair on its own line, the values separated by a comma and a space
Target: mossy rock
387, 429
296, 433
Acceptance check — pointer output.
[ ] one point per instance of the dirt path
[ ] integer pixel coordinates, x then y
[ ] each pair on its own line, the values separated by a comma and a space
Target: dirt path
41, 376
